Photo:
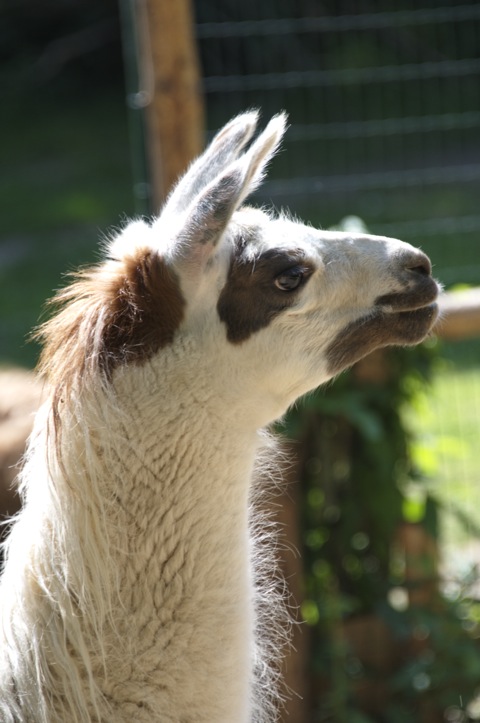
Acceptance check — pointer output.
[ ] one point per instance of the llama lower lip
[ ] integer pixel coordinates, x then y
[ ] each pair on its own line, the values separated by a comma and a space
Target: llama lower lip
411, 327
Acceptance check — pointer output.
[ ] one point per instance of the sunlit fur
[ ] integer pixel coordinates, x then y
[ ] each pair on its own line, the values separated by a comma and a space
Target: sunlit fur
140, 582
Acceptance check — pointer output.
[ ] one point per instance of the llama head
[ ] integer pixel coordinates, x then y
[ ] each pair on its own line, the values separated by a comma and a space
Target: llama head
267, 308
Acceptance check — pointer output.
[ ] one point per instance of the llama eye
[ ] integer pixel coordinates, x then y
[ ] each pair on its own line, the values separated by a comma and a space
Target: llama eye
289, 280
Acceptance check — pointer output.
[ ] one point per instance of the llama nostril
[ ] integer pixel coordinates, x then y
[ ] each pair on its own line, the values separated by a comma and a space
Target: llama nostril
422, 269
419, 264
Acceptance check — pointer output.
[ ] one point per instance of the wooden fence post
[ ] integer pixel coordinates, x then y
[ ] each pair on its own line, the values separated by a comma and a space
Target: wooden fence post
171, 90
460, 315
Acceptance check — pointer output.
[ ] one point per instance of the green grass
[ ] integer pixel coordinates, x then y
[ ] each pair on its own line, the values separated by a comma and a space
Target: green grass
446, 424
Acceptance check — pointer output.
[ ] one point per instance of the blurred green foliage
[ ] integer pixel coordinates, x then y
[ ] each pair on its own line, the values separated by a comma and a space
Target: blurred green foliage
357, 460
364, 475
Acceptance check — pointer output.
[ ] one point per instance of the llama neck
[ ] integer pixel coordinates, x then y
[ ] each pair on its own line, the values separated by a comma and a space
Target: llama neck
184, 482
177, 491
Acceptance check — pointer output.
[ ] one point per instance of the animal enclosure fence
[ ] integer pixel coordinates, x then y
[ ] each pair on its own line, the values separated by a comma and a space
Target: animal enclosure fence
384, 106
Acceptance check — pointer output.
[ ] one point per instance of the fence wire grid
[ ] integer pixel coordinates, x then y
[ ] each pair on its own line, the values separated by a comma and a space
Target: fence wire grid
384, 107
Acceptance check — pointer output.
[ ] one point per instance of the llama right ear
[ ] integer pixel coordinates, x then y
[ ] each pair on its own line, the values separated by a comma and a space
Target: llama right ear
208, 215
223, 149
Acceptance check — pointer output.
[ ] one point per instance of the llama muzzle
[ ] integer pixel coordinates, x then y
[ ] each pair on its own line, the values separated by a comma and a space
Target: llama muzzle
419, 288
402, 317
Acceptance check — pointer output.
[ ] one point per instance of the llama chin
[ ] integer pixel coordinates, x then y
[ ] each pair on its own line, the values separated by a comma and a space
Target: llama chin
140, 580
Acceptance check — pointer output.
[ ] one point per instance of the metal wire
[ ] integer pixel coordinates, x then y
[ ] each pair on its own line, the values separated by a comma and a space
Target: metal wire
343, 23
384, 109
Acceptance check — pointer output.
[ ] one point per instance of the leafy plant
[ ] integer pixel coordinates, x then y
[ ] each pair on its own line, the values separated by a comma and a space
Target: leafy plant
363, 475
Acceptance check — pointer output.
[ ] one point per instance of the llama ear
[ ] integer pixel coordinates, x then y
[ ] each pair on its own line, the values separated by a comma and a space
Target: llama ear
223, 149
208, 215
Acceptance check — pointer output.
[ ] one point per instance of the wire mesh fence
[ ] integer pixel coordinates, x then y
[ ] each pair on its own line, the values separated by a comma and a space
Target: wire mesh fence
384, 108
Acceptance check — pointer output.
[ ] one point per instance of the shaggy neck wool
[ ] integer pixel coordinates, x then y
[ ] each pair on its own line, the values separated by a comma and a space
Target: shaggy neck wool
174, 526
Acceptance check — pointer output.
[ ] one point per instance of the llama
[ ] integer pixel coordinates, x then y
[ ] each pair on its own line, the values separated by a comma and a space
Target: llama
136, 586
20, 396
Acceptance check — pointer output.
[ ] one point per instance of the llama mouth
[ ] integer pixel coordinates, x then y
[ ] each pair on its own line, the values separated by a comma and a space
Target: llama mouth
422, 295
405, 327
411, 313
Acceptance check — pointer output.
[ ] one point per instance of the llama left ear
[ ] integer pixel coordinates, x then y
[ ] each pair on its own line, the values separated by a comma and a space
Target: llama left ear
208, 215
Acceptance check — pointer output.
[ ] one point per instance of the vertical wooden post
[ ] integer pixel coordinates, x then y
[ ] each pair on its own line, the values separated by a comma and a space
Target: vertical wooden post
171, 90
420, 551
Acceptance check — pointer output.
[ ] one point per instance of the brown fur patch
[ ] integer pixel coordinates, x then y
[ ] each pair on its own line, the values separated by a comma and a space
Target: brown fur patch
117, 313
381, 329
249, 301
147, 309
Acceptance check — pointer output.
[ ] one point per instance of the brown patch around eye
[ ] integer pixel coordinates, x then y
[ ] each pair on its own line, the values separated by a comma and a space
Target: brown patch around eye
249, 301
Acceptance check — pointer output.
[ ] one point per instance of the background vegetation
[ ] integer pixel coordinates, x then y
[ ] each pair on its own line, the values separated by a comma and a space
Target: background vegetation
378, 453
